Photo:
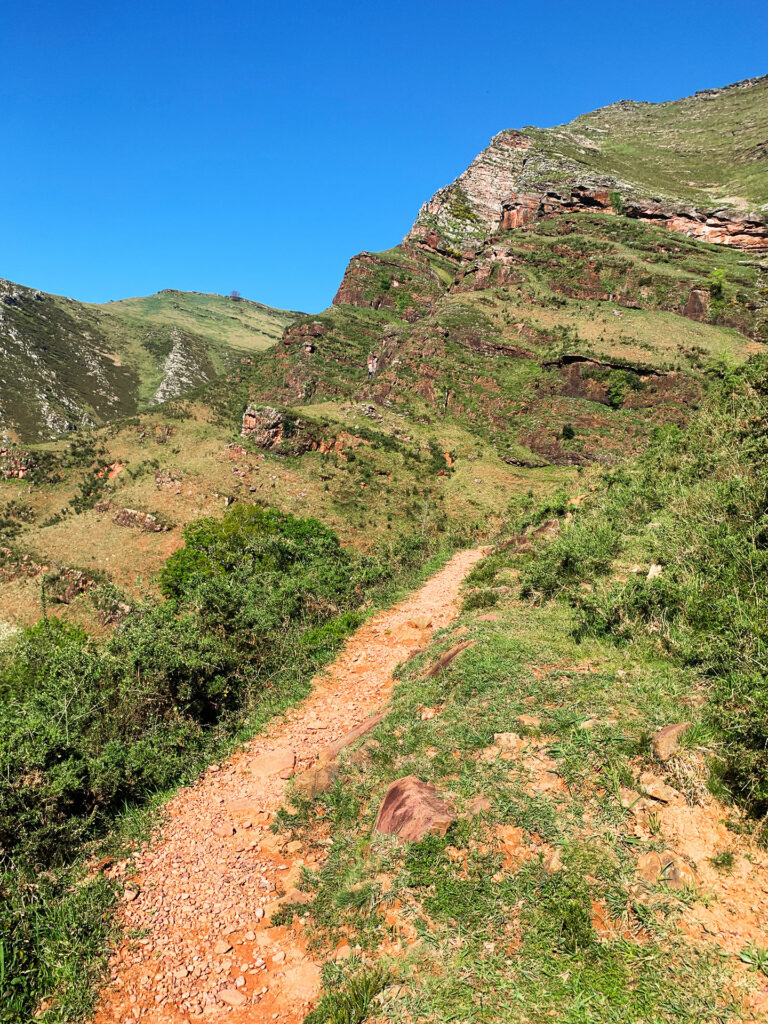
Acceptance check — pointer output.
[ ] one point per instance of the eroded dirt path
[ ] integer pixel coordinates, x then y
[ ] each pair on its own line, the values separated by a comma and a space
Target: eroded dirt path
198, 943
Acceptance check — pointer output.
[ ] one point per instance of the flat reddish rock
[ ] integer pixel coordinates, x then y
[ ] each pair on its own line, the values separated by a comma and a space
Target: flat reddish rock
413, 809
232, 997
273, 763
666, 741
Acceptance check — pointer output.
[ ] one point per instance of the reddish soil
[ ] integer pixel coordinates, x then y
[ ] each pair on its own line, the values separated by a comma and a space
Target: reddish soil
198, 940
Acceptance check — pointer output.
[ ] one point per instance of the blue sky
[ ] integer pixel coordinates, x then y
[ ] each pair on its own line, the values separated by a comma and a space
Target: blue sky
219, 146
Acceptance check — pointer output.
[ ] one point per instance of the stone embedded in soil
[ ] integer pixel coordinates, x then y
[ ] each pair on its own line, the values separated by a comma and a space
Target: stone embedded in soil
657, 789
273, 763
223, 831
666, 741
529, 721
232, 997
221, 947
413, 809
316, 780
665, 867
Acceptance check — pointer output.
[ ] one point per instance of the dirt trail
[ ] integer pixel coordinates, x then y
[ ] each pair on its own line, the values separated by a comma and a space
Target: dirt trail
198, 944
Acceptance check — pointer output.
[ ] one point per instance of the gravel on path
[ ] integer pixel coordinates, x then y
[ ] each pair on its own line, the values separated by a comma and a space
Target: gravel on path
197, 940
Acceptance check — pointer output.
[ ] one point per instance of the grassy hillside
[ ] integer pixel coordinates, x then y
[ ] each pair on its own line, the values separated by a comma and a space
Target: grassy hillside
66, 365
554, 349
708, 150
539, 903
186, 581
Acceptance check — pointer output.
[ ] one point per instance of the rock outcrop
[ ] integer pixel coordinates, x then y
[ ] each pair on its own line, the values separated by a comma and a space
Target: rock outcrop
640, 160
265, 426
279, 432
137, 520
14, 464
718, 226
413, 809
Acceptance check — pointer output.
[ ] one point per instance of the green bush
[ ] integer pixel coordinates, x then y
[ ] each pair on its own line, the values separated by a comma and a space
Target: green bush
696, 504
254, 604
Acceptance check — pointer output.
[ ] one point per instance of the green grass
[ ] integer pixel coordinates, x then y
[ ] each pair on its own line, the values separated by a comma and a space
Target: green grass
518, 944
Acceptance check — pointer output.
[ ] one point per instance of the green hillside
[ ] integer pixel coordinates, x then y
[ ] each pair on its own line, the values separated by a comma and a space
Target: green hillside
710, 149
585, 392
703, 156
65, 365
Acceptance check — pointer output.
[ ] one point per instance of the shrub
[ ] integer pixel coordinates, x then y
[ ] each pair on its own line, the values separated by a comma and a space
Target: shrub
696, 503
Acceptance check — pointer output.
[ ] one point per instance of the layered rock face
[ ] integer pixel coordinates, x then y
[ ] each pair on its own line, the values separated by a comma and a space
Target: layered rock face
639, 159
717, 226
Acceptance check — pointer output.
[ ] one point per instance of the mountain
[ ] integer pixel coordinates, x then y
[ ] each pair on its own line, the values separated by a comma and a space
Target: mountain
571, 366
513, 353
67, 364
697, 165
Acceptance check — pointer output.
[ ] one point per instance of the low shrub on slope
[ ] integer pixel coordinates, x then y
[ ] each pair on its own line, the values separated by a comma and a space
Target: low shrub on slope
255, 603
694, 506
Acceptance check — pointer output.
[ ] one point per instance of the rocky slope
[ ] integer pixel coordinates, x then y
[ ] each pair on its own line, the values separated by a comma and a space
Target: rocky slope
696, 166
66, 365
555, 338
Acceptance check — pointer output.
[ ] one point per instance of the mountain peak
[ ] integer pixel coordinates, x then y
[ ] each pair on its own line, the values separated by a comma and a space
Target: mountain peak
705, 155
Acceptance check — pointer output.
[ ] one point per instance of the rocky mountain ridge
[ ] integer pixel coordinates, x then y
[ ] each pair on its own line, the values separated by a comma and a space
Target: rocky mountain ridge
641, 159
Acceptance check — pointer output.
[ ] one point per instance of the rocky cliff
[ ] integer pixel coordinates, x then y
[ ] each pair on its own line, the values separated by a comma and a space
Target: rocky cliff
696, 166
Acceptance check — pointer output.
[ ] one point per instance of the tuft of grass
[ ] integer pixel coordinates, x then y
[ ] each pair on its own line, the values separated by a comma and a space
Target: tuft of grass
723, 861
350, 1001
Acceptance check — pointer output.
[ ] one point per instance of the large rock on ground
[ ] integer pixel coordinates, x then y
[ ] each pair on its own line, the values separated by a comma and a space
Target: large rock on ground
413, 809
665, 742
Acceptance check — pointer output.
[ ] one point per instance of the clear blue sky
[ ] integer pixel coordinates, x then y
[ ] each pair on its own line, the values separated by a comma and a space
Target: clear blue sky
212, 146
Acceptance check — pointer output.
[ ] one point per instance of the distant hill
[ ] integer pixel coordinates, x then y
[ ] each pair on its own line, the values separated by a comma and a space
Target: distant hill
66, 364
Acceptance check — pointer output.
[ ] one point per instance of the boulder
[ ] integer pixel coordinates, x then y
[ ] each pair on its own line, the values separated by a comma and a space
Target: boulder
413, 809
697, 306
665, 742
